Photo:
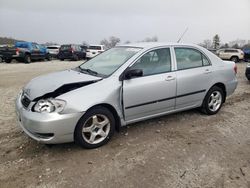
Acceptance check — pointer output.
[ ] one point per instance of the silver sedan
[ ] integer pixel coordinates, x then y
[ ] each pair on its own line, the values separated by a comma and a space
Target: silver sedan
123, 85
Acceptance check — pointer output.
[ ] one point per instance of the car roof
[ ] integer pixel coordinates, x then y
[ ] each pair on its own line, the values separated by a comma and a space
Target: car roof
156, 44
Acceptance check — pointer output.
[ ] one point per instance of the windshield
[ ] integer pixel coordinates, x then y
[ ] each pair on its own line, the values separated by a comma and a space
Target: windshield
109, 61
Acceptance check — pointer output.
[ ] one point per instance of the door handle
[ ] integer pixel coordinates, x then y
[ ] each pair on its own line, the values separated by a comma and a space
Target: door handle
207, 71
169, 78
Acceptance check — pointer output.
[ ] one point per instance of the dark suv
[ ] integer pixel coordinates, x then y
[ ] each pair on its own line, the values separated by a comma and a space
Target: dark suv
71, 51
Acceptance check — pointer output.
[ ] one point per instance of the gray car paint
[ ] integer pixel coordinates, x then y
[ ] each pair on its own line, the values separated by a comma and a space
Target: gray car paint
123, 94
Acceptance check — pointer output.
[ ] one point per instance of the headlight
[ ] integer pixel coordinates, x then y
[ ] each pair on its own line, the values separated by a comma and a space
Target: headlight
49, 105
248, 65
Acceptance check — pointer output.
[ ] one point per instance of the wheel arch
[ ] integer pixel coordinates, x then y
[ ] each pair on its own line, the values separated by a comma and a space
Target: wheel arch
223, 87
113, 111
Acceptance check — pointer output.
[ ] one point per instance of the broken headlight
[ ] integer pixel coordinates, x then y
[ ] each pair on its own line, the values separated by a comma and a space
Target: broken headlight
49, 105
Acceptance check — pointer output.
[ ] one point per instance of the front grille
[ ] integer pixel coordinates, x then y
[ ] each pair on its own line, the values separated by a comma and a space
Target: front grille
25, 101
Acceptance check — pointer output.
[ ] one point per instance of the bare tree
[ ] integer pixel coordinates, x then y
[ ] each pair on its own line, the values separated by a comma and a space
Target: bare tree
127, 42
216, 41
150, 39
206, 44
85, 43
111, 42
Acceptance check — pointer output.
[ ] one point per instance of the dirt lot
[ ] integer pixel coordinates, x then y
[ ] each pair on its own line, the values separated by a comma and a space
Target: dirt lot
187, 149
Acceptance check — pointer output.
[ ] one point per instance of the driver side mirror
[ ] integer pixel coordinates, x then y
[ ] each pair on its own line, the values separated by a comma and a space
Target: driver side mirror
132, 73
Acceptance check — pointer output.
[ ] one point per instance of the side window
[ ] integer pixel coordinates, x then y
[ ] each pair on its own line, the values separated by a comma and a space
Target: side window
154, 62
34, 46
188, 58
206, 62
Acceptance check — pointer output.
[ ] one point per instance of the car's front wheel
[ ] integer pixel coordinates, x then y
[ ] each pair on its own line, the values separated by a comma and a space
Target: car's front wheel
213, 100
95, 128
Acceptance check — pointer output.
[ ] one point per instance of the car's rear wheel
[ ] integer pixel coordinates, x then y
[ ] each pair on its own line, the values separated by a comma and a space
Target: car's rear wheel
8, 60
234, 59
27, 58
95, 128
213, 101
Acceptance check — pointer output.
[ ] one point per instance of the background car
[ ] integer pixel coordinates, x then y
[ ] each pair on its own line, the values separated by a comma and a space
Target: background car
246, 54
247, 73
94, 50
53, 50
24, 52
231, 54
72, 52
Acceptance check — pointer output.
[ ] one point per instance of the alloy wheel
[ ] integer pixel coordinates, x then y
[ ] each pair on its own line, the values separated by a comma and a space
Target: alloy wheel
96, 129
215, 101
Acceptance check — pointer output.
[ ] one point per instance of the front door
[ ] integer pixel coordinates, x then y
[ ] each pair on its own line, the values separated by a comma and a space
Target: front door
155, 91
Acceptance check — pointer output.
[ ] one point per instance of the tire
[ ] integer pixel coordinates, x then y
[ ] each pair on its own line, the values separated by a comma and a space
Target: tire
62, 59
1, 59
27, 58
234, 59
76, 58
213, 101
8, 60
96, 121
48, 57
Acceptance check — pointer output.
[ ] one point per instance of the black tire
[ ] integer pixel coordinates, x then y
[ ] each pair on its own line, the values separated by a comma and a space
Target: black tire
75, 58
61, 59
27, 58
48, 57
234, 59
78, 134
8, 60
205, 105
1, 59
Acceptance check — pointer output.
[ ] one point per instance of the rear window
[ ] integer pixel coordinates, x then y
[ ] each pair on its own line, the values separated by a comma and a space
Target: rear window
65, 47
95, 48
52, 47
231, 51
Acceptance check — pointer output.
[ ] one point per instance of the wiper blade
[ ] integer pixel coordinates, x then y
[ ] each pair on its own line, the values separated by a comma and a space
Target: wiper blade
88, 71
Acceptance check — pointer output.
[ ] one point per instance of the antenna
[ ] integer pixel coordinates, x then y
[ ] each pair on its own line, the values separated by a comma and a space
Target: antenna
182, 35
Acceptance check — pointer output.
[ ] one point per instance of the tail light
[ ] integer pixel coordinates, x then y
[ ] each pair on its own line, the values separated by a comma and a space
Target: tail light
17, 51
235, 69
72, 50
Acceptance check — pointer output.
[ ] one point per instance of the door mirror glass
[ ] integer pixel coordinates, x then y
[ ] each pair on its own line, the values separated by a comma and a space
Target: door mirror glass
133, 73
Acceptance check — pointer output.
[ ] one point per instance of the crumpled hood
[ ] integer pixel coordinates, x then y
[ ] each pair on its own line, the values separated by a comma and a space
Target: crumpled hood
50, 83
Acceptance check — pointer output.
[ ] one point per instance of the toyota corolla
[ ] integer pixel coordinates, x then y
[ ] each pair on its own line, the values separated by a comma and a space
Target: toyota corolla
123, 85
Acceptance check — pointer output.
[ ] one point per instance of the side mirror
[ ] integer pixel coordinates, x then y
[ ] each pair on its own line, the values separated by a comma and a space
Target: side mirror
132, 74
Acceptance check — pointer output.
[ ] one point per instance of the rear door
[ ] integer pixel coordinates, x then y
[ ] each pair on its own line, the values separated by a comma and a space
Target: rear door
35, 51
194, 72
155, 91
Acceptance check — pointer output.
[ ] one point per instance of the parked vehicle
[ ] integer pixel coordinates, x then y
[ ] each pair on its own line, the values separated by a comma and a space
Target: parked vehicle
247, 73
53, 50
94, 50
24, 52
231, 54
7, 53
246, 54
123, 85
72, 52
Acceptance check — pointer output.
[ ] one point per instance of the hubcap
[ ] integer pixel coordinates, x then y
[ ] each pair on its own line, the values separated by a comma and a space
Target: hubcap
215, 101
96, 129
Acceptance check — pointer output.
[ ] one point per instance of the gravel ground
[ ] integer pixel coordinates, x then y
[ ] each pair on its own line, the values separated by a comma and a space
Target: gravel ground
186, 149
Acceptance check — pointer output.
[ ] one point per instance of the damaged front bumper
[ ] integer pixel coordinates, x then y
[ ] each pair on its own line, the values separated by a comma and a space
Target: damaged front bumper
49, 128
